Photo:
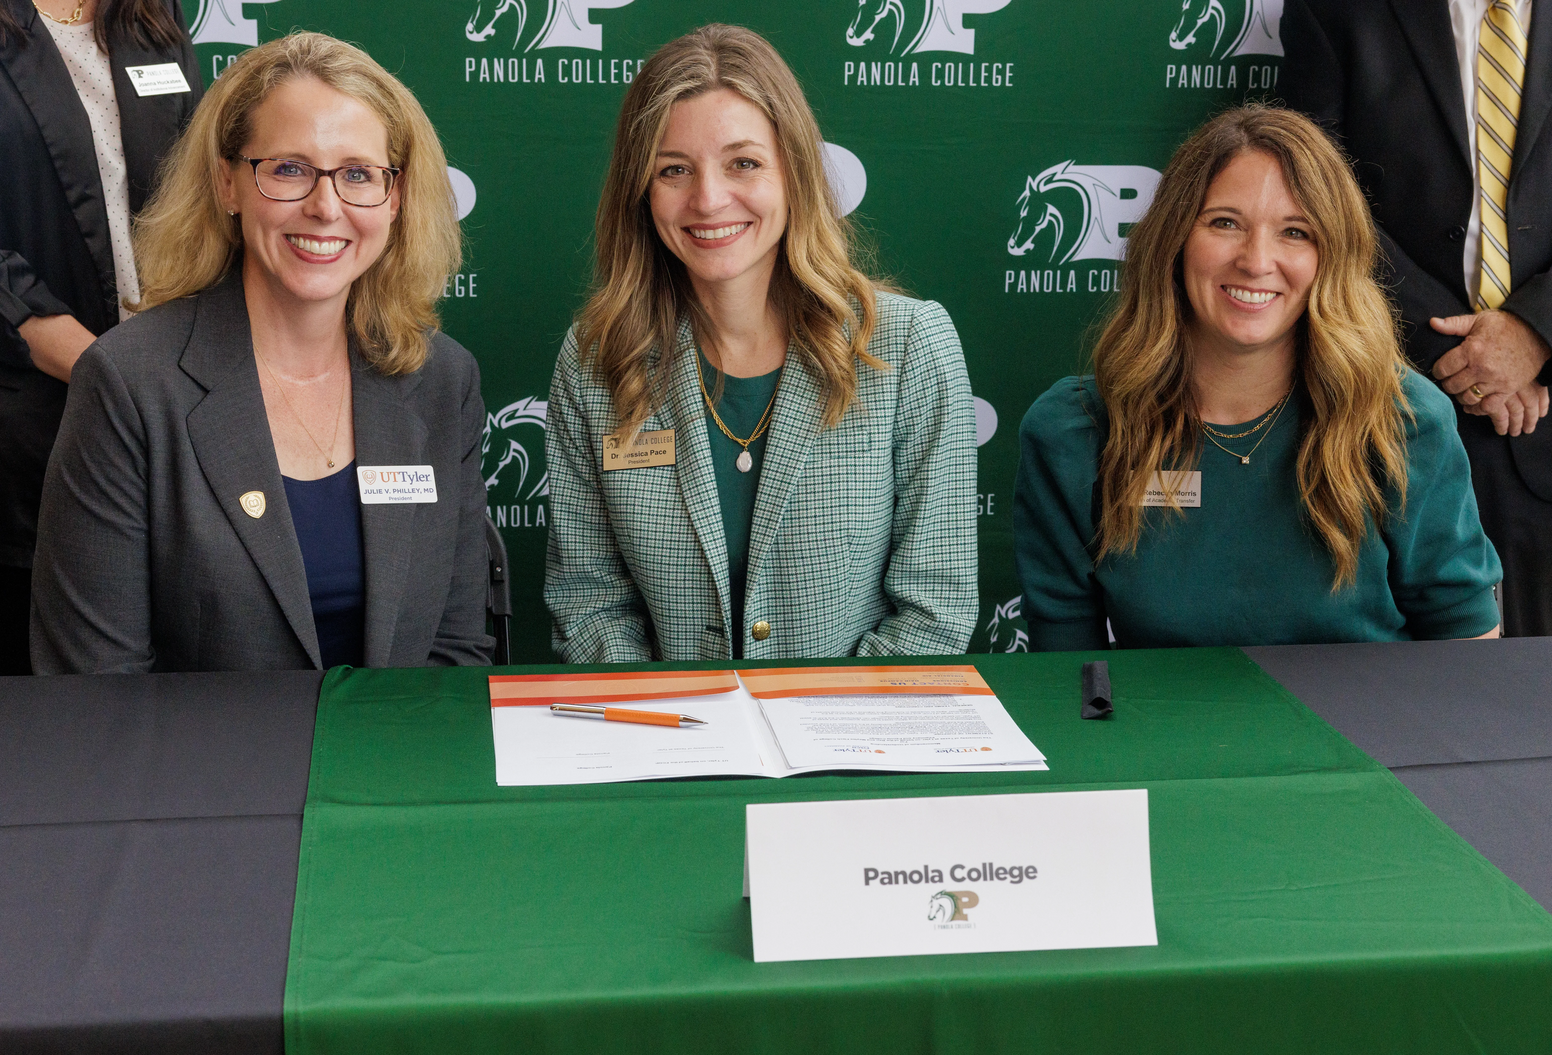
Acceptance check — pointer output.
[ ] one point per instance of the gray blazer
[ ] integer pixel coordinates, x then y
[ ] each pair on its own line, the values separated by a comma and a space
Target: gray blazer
145, 559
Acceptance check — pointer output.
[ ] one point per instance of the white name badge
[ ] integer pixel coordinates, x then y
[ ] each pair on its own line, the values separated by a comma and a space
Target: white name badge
1188, 489
390, 484
162, 79
972, 873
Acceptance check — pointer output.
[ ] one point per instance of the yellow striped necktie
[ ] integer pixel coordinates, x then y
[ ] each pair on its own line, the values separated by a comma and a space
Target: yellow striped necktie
1500, 78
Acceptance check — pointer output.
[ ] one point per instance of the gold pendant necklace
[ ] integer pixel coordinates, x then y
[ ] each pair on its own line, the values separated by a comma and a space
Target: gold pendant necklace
72, 20
745, 460
1244, 459
338, 412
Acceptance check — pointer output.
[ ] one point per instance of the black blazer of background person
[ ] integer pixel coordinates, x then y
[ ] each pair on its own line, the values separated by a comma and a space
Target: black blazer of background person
55, 255
1384, 77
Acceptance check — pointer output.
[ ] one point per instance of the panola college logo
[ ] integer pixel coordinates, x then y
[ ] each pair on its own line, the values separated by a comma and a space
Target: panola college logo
223, 22
950, 906
1001, 634
941, 26
512, 461
902, 28
567, 24
1215, 33
1069, 213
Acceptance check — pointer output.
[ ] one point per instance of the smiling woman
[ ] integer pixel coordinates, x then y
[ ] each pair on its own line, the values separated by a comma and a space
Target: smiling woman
799, 466
1252, 461
290, 266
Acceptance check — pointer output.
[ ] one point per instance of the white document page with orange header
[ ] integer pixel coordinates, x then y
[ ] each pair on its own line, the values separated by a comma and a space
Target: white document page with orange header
926, 718
772, 723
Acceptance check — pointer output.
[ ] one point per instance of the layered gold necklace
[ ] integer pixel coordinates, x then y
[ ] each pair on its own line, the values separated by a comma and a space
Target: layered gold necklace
745, 460
1267, 421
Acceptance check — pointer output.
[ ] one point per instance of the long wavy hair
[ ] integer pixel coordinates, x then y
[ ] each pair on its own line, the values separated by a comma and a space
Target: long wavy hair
641, 290
1350, 364
185, 242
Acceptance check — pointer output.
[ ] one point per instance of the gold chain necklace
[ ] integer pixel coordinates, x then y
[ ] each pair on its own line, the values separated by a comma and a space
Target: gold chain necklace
72, 20
1268, 416
338, 412
1244, 459
745, 460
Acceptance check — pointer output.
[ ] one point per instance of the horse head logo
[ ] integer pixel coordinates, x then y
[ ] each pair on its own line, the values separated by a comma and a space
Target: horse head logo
949, 906
566, 23
874, 12
222, 22
1084, 207
474, 31
942, 907
1254, 29
942, 25
500, 448
1000, 630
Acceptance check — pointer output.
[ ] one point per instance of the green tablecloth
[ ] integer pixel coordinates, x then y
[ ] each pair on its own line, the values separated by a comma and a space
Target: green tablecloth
1306, 902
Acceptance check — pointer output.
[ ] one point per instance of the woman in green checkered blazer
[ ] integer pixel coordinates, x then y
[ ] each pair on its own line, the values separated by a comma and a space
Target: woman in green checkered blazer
754, 451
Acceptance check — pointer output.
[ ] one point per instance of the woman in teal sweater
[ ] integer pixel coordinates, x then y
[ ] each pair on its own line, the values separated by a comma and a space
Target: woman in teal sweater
1252, 462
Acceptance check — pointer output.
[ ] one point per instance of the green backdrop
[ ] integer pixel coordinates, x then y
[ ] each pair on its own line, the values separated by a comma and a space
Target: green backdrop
995, 153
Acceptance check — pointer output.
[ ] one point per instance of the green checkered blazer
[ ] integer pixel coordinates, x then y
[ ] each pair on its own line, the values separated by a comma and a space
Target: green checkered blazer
863, 540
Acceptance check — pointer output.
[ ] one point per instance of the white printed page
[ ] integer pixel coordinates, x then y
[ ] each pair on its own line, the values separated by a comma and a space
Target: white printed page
535, 746
898, 731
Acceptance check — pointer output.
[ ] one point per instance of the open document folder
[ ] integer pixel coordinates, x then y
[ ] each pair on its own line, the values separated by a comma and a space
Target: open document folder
758, 723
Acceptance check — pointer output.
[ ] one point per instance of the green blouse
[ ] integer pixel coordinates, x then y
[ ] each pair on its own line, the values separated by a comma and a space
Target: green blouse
741, 405
1245, 568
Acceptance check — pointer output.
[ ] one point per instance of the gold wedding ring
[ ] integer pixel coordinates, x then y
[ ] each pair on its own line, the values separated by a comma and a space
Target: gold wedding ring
1476, 390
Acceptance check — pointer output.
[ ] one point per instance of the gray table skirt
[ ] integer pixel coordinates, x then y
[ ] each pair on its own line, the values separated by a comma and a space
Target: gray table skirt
149, 826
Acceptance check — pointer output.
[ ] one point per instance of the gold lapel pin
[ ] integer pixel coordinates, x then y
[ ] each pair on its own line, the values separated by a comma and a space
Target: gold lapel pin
253, 504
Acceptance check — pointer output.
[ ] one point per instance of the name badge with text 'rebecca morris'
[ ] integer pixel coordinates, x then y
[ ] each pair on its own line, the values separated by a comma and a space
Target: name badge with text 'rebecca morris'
165, 78
648, 448
1188, 489
391, 484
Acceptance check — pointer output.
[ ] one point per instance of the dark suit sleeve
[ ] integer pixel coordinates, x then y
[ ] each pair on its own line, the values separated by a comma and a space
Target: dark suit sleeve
461, 639
22, 295
91, 602
1314, 81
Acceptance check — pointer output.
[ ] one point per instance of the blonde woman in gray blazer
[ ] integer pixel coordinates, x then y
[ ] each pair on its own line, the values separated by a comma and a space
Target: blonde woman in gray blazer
203, 508
754, 450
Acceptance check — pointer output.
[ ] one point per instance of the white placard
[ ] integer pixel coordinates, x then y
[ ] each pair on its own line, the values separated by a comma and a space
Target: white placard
971, 873
165, 78
391, 484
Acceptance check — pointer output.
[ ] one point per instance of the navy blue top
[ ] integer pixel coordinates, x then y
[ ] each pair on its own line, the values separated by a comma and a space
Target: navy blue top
327, 516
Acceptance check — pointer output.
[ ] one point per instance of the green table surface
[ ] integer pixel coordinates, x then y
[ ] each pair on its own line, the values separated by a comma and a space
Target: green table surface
1306, 901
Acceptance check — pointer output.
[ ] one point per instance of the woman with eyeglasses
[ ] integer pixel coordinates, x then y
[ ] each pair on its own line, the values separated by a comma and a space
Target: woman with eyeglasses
276, 463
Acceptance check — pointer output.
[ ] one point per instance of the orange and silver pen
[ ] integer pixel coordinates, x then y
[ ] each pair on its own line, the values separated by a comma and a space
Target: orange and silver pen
621, 714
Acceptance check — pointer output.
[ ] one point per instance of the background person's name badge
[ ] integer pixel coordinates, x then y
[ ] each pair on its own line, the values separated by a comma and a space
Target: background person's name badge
393, 484
1187, 487
164, 78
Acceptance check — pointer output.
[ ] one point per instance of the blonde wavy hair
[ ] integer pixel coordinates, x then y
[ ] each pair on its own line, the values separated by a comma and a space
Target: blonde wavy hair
185, 242
641, 290
1353, 440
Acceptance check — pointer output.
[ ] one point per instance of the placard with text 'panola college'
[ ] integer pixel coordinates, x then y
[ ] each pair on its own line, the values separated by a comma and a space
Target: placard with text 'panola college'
969, 873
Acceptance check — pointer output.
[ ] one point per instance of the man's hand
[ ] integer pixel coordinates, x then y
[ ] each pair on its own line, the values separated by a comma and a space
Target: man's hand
56, 342
1514, 414
1492, 372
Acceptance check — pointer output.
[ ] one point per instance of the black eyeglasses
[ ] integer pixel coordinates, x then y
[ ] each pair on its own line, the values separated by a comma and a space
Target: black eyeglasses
281, 179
